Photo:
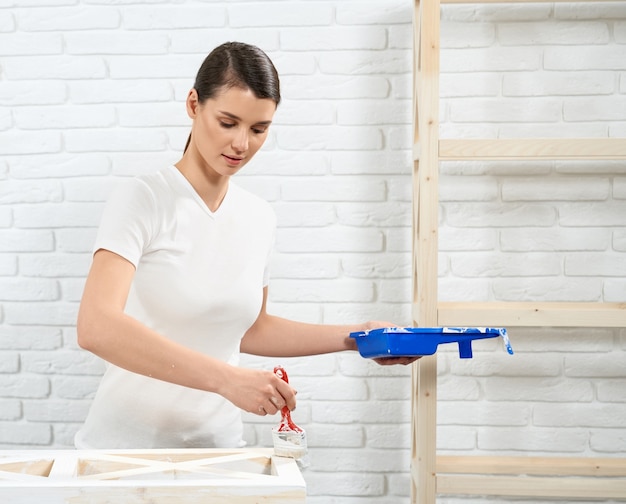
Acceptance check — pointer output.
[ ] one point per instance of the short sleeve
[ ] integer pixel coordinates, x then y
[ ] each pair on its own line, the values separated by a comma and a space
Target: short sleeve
128, 220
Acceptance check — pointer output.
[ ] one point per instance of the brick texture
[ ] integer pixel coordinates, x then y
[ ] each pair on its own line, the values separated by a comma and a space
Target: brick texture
93, 90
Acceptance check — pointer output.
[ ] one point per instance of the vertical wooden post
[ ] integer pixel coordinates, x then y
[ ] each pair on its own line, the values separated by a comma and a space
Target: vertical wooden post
425, 226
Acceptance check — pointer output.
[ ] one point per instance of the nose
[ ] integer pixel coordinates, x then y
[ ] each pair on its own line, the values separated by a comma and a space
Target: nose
240, 140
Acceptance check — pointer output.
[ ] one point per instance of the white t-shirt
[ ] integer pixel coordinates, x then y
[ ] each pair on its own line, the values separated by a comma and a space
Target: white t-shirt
199, 281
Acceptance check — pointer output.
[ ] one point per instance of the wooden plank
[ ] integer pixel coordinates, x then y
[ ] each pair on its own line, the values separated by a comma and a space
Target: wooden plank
533, 486
545, 466
423, 459
426, 26
529, 148
531, 314
30, 466
65, 465
240, 476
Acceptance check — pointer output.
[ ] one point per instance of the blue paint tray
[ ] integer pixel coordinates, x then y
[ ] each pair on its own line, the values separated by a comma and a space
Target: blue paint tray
415, 341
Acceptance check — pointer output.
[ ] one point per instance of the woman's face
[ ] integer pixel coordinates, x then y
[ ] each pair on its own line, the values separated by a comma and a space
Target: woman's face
229, 129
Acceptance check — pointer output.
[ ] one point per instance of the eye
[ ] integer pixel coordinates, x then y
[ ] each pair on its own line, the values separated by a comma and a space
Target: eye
259, 131
227, 125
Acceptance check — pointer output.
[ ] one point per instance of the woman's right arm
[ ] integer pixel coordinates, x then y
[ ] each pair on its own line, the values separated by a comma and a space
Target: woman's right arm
107, 331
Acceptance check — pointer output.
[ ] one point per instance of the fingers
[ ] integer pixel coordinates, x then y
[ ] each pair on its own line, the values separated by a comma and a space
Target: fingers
272, 406
390, 361
261, 393
276, 402
269, 407
287, 395
275, 397
378, 324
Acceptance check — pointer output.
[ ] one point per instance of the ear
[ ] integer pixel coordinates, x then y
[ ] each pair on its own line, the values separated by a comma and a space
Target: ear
192, 103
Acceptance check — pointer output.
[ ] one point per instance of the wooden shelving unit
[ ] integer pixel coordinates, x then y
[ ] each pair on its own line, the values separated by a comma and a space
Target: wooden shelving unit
539, 477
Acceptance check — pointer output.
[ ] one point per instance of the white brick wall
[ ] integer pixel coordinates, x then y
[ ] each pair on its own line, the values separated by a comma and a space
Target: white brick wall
94, 89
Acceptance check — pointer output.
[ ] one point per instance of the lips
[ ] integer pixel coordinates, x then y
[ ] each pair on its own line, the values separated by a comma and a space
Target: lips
234, 161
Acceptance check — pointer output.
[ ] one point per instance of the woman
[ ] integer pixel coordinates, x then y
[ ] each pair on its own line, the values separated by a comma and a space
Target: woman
178, 284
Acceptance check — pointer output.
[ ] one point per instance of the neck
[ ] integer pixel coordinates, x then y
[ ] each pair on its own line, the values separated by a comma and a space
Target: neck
210, 186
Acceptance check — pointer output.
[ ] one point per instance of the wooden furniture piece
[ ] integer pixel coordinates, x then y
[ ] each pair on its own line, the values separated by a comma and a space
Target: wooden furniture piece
430, 474
198, 476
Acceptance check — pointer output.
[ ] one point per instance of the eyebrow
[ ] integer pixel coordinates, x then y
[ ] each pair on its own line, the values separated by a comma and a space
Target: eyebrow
233, 116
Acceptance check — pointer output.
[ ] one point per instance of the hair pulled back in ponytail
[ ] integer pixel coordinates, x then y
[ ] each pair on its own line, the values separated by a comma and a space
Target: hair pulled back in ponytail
236, 64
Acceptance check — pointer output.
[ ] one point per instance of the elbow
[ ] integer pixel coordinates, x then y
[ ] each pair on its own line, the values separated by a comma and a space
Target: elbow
86, 332
83, 334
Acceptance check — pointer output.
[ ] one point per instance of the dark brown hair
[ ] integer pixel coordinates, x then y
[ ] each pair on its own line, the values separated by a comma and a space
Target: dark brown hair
236, 64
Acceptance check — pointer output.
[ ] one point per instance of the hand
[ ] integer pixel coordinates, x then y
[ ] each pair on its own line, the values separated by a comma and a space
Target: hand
377, 324
259, 392
389, 361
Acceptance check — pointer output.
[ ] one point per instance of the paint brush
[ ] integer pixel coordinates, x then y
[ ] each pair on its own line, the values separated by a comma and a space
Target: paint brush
289, 439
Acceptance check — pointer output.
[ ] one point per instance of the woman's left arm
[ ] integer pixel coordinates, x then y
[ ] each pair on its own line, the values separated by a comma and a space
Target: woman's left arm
273, 336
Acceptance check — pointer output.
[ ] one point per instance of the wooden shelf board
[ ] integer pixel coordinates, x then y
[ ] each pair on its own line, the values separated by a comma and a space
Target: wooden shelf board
560, 477
531, 314
533, 486
533, 149
532, 465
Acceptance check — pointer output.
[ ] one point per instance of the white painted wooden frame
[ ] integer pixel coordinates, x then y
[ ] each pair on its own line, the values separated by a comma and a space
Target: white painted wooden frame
564, 477
194, 476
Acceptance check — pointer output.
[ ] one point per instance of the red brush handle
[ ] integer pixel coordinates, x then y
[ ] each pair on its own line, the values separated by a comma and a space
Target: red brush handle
286, 423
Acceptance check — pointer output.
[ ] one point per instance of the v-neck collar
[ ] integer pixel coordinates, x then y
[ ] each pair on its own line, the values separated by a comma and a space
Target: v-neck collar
189, 188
